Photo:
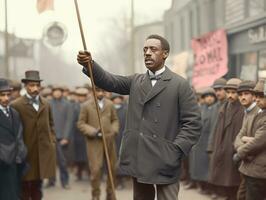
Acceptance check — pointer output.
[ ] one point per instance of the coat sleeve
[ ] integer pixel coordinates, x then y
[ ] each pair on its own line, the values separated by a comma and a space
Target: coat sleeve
114, 121
256, 145
110, 82
82, 123
51, 123
189, 118
243, 132
22, 150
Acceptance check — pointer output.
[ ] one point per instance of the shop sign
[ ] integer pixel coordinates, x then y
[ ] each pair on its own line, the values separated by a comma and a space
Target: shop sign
210, 58
257, 35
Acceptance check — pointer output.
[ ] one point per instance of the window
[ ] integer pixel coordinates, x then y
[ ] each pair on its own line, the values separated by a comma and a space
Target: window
256, 7
248, 66
262, 64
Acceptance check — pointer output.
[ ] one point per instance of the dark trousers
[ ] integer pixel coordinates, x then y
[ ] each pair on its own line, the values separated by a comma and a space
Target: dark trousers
62, 164
31, 190
9, 189
143, 191
241, 193
256, 188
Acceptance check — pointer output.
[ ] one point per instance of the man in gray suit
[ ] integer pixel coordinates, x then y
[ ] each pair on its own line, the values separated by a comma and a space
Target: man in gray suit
163, 121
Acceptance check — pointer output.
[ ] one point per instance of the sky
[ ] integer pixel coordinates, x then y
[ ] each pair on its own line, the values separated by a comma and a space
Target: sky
97, 18
24, 20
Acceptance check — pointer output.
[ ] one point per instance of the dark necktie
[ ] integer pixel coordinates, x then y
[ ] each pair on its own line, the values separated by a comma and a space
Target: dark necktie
33, 100
7, 113
155, 77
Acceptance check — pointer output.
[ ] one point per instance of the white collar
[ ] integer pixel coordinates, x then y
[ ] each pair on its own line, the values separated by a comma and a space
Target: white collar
4, 108
250, 108
157, 72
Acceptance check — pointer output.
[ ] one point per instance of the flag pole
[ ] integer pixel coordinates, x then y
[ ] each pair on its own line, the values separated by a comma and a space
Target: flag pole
89, 67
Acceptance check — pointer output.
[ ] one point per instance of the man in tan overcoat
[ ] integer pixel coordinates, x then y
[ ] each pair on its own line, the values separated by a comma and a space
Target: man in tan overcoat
39, 136
88, 124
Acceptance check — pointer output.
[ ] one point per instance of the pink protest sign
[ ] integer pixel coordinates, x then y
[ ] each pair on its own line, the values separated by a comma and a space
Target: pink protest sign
210, 58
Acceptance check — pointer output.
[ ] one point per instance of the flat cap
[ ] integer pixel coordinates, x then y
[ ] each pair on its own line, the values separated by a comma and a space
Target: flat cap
246, 86
46, 91
232, 83
58, 87
259, 88
219, 83
208, 91
116, 95
81, 91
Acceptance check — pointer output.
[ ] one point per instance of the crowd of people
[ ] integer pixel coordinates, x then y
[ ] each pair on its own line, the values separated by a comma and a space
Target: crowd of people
227, 162
73, 143
219, 142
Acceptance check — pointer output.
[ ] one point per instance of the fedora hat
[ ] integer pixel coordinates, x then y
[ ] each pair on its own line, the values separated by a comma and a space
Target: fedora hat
31, 75
4, 85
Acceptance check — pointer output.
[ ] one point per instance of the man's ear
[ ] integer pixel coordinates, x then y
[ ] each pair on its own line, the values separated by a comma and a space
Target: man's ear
165, 54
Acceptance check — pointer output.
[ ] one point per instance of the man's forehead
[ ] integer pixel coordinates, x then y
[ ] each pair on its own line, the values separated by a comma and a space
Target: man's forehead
152, 43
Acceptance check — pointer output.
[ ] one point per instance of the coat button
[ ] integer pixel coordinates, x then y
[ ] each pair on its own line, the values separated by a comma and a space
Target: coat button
158, 104
155, 136
156, 120
141, 134
143, 118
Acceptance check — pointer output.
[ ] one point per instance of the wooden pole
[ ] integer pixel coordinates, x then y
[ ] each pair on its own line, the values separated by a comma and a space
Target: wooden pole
89, 67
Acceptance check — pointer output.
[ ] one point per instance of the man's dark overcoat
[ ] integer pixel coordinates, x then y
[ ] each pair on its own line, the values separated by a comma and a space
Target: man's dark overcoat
223, 171
162, 122
12, 152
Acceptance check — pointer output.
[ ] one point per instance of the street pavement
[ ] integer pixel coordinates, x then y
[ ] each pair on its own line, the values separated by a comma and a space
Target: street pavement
81, 191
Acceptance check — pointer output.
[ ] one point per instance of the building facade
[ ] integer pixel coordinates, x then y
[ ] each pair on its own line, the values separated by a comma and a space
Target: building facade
243, 20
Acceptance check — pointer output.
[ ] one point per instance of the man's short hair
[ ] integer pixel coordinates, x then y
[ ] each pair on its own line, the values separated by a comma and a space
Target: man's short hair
164, 42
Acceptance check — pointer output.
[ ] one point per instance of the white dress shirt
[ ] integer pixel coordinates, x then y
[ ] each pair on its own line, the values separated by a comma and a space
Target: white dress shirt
156, 73
35, 105
101, 103
5, 110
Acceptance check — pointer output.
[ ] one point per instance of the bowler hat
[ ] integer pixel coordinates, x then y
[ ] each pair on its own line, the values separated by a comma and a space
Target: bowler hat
246, 86
232, 83
259, 88
31, 75
219, 83
4, 85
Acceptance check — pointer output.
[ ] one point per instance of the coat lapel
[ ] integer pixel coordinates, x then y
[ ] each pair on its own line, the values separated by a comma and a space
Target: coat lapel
146, 84
41, 105
159, 86
27, 103
232, 111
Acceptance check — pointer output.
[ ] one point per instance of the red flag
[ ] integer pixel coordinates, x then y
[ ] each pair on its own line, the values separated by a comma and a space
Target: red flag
43, 5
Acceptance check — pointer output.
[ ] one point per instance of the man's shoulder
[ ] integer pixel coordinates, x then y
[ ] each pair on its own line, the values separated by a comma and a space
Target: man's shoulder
17, 102
177, 76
